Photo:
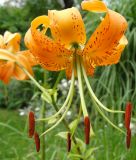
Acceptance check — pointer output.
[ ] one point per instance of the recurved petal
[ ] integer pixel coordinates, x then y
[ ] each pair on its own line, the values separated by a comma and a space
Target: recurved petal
29, 56
6, 71
116, 53
12, 41
105, 39
89, 67
94, 5
69, 71
50, 54
18, 72
6, 55
1, 41
67, 26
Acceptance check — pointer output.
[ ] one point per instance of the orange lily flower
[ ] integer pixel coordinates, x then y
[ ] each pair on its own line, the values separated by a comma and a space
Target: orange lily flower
67, 28
9, 54
67, 49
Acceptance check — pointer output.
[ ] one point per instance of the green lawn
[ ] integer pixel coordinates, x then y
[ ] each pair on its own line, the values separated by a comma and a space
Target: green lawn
14, 144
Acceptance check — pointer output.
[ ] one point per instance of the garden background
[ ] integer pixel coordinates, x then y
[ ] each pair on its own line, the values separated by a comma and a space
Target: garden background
114, 85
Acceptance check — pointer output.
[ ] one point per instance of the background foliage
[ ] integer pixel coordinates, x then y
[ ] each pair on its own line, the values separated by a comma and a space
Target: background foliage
114, 85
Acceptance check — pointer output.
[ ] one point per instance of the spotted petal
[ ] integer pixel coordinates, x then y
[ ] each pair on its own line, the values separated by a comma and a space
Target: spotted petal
100, 48
67, 26
94, 6
18, 72
29, 56
51, 55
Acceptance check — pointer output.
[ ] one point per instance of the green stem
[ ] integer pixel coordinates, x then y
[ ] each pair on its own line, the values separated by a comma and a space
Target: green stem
96, 102
107, 119
65, 103
31, 77
43, 129
93, 96
45, 92
81, 91
67, 108
67, 127
78, 119
58, 80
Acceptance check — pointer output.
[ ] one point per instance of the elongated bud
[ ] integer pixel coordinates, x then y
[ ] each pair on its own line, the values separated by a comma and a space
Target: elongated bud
31, 124
87, 129
68, 142
37, 141
128, 115
128, 138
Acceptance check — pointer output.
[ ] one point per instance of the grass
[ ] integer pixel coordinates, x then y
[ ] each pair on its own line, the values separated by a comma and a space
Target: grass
16, 146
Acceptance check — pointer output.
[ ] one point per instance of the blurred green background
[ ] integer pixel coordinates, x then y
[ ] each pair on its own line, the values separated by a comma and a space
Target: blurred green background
114, 86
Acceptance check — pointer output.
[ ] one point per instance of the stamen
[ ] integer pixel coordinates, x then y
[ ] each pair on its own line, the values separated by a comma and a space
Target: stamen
128, 138
37, 141
68, 142
87, 129
128, 115
31, 124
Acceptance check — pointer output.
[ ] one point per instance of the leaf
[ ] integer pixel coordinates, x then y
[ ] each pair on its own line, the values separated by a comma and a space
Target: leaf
35, 95
62, 135
71, 155
90, 151
73, 125
80, 144
53, 92
47, 97
11, 128
92, 134
53, 120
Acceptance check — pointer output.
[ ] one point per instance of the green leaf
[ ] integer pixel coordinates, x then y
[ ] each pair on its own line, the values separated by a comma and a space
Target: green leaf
92, 134
90, 151
47, 97
75, 156
53, 120
62, 135
80, 144
73, 125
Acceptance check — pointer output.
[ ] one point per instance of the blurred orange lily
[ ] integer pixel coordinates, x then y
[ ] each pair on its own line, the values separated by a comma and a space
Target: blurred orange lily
67, 29
10, 54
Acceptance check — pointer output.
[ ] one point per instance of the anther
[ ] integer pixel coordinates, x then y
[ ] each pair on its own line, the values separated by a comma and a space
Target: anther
68, 142
128, 138
128, 115
87, 129
31, 124
37, 141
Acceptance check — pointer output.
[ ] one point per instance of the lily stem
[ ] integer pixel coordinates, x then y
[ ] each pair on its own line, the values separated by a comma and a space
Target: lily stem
43, 129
